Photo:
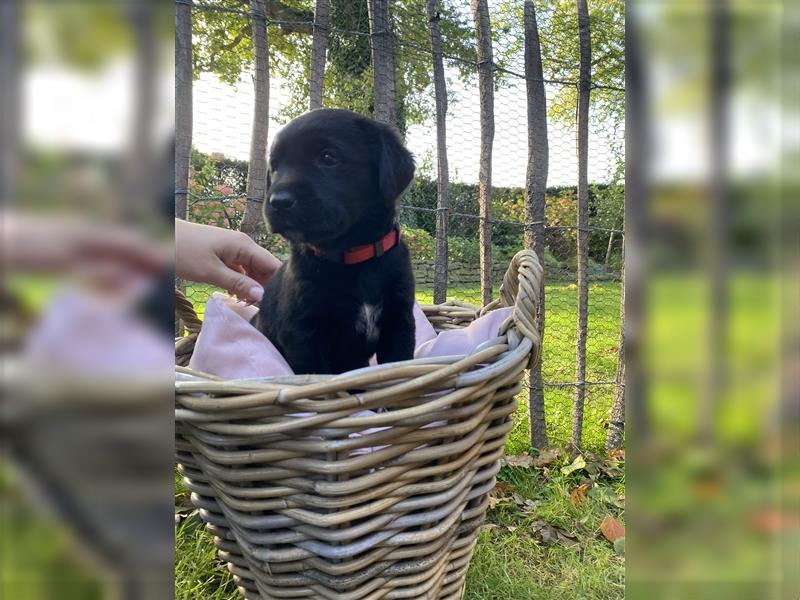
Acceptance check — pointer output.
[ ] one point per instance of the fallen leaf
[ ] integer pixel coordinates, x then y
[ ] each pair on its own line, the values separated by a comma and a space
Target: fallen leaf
489, 527
606, 495
181, 514
500, 494
547, 457
548, 534
503, 488
612, 529
611, 472
578, 495
511, 528
593, 469
619, 545
567, 540
523, 460
576, 465
530, 506
617, 454
591, 457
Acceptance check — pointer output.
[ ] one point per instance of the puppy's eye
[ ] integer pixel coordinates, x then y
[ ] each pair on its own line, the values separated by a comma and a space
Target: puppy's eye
328, 158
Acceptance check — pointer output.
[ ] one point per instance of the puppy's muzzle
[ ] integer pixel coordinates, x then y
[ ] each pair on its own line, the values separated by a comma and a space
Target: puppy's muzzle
282, 200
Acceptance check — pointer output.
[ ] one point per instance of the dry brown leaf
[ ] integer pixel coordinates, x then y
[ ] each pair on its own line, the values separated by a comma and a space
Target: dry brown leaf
567, 540
523, 460
489, 527
612, 529
578, 495
611, 472
503, 488
525, 504
547, 457
617, 454
548, 534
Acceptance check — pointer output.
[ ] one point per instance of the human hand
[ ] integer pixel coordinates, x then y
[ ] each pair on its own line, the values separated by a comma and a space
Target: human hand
222, 257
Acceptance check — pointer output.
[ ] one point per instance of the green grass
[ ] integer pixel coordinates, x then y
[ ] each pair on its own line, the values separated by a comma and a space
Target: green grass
37, 554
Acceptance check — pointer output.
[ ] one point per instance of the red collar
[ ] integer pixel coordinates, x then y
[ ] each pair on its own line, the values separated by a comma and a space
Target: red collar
365, 252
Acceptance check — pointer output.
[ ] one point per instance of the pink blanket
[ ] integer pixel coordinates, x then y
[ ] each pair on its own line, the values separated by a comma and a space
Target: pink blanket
229, 347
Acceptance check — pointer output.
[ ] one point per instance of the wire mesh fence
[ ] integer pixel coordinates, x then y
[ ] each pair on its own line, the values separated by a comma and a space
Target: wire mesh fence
379, 59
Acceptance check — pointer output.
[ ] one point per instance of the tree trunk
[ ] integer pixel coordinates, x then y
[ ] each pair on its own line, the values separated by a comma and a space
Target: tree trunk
257, 168
141, 193
382, 61
616, 425
483, 43
608, 250
183, 105
319, 49
10, 63
535, 188
636, 223
718, 114
443, 180
584, 83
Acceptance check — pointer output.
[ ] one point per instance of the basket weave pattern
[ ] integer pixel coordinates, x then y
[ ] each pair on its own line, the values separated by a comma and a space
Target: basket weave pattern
371, 484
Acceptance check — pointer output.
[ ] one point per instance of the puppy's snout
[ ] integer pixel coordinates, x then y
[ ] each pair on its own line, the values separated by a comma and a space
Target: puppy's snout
282, 200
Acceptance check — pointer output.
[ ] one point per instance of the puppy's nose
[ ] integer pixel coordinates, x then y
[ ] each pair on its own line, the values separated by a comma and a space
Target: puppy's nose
281, 200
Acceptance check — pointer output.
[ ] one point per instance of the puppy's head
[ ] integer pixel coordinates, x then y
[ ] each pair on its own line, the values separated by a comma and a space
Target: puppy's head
331, 169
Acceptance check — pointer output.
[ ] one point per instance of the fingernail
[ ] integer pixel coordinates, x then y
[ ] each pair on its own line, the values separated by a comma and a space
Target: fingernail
256, 293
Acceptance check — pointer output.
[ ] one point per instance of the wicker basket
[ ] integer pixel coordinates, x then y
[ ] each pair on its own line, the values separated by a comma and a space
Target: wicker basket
371, 484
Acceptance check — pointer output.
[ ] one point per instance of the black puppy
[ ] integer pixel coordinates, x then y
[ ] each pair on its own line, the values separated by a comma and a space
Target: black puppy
347, 290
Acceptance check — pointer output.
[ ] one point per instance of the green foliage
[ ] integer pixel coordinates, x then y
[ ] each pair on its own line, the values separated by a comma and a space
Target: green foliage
558, 32
223, 46
464, 250
217, 188
222, 43
227, 177
420, 243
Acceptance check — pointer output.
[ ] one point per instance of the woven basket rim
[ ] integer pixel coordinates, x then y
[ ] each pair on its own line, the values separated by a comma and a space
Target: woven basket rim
521, 289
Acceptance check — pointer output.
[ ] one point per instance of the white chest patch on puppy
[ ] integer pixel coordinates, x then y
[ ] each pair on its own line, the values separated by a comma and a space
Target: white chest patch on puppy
367, 321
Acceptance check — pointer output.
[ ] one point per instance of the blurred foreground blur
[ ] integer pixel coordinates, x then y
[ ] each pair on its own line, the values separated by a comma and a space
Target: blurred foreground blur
86, 300
713, 474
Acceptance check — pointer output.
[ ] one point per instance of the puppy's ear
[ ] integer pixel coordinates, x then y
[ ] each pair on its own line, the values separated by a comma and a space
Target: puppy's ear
396, 164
